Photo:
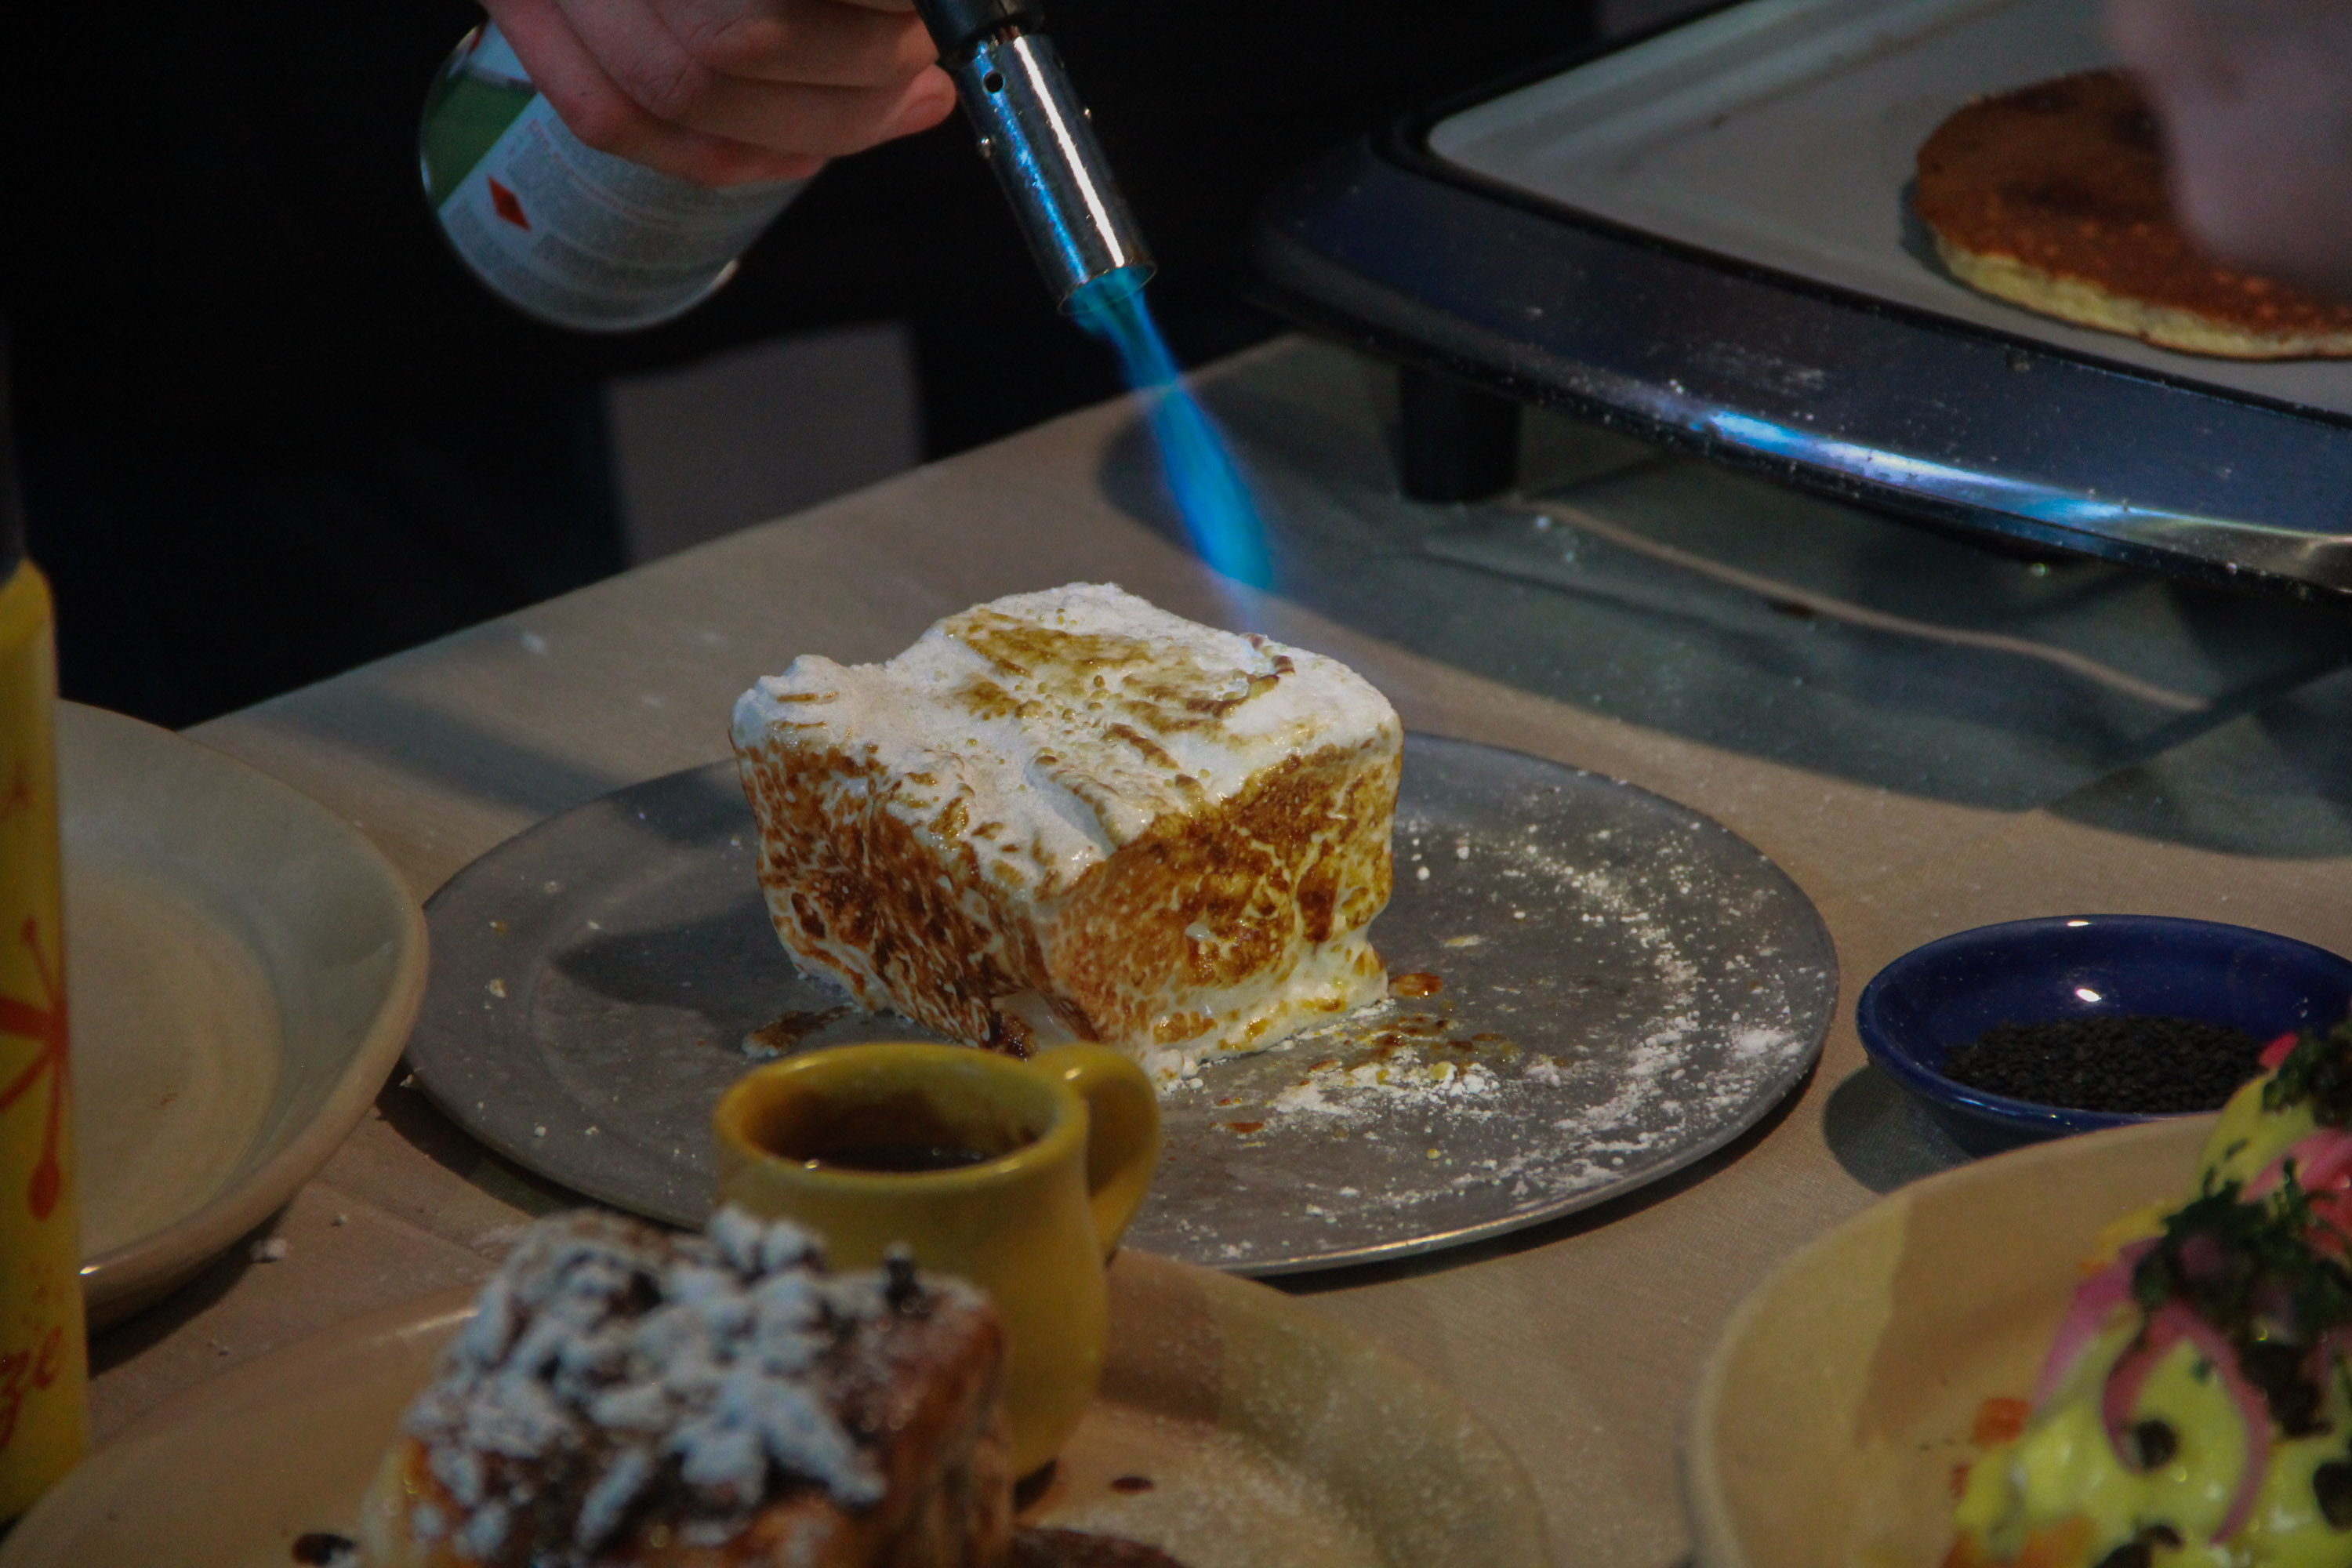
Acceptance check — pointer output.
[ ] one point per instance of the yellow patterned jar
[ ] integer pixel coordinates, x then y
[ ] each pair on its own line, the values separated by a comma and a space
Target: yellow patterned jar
43, 1376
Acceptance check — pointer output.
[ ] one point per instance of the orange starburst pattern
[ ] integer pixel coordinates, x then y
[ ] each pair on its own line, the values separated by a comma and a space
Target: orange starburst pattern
24, 1373
19, 795
45, 1026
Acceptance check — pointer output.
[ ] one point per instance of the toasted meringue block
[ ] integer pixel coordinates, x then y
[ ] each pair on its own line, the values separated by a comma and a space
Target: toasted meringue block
1173, 837
625, 1396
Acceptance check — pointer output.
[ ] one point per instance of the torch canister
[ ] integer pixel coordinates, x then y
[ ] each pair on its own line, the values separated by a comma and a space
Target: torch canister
44, 1376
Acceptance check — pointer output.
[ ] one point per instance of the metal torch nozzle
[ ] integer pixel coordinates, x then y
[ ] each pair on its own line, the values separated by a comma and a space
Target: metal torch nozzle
1041, 142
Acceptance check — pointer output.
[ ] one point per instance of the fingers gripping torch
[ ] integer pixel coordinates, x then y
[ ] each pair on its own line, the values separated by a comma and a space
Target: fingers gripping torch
1039, 139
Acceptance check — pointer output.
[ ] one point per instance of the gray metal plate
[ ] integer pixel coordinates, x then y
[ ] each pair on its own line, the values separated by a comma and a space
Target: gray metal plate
1626, 986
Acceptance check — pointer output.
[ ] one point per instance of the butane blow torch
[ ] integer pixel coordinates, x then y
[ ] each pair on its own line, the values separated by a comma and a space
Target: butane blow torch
1039, 137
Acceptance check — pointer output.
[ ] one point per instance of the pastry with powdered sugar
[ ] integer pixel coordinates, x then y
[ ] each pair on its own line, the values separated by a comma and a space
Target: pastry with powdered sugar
625, 1396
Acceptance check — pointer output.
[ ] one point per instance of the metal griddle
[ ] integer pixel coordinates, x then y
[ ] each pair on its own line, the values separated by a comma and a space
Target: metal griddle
1704, 237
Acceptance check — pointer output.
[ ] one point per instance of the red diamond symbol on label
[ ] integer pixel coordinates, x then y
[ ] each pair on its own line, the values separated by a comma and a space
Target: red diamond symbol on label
508, 205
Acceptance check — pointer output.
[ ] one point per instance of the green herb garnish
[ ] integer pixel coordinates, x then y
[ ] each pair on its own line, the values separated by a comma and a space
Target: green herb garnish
2251, 1268
2317, 1073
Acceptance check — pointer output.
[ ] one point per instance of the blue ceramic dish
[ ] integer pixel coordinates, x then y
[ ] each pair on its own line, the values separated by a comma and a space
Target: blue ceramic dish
1935, 998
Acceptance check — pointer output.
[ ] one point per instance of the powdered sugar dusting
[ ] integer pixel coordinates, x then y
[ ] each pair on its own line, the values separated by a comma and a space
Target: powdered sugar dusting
1613, 987
608, 1362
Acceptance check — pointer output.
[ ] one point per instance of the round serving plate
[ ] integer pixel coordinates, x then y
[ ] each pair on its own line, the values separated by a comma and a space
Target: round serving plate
244, 966
1832, 1412
1611, 987
1267, 1433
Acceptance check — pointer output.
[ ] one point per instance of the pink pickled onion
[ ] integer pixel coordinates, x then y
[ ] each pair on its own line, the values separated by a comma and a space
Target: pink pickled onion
2120, 1397
2322, 1159
2278, 1050
2171, 1324
2096, 1299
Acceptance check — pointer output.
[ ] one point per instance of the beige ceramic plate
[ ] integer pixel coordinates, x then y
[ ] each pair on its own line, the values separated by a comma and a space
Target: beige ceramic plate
1271, 1437
244, 967
1840, 1398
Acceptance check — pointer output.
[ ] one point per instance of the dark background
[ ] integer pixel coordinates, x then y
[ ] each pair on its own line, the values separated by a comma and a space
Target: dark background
271, 429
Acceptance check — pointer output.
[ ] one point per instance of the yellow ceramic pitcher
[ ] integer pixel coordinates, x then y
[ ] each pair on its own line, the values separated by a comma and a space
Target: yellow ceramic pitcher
1018, 1176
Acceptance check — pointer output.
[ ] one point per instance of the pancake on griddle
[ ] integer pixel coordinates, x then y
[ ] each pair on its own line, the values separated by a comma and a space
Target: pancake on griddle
2052, 197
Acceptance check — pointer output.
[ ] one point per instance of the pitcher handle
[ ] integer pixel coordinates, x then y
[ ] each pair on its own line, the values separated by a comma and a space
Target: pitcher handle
1122, 1130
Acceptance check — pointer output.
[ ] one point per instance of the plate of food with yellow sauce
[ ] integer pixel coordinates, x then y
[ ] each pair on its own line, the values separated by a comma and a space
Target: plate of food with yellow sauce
2123, 1350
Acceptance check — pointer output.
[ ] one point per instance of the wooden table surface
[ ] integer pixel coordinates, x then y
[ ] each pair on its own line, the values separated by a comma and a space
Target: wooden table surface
1578, 1340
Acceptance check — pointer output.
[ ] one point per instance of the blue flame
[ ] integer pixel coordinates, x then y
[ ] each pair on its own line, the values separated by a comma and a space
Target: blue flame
1214, 503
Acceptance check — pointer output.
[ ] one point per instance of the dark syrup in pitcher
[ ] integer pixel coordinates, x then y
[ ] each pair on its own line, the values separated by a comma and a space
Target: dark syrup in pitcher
898, 1159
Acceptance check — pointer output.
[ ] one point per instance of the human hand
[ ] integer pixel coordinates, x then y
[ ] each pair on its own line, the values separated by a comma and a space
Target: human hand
724, 93
2255, 98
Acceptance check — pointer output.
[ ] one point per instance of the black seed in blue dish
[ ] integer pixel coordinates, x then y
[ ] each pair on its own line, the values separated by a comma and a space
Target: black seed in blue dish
2135, 1063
